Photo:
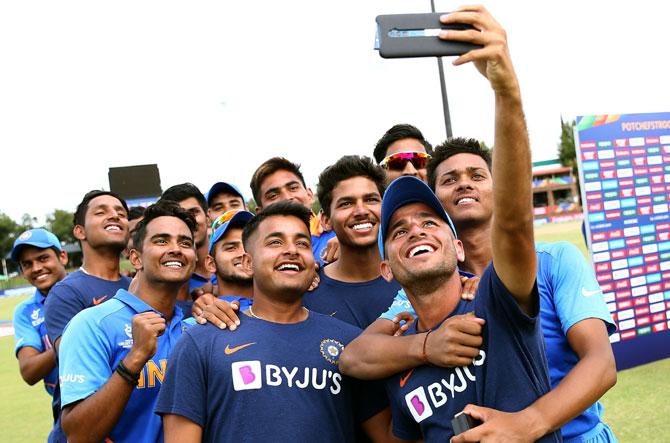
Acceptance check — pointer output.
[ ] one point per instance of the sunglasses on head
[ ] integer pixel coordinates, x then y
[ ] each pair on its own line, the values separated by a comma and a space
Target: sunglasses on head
397, 161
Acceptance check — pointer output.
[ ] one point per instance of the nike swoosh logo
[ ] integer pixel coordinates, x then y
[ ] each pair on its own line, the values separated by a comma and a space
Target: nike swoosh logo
97, 301
404, 379
587, 293
333, 313
230, 350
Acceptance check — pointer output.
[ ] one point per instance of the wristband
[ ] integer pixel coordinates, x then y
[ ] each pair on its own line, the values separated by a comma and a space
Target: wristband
424, 356
130, 377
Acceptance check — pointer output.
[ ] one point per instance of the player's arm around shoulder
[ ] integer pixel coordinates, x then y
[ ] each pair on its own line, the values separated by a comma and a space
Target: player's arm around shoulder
35, 362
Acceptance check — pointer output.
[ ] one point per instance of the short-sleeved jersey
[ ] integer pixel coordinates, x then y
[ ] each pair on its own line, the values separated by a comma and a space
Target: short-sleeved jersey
244, 302
509, 374
95, 342
358, 304
67, 298
320, 244
267, 382
30, 330
569, 293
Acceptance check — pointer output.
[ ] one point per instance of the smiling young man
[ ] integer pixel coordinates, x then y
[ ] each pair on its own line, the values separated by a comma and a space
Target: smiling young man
101, 227
223, 197
42, 262
225, 259
113, 356
403, 150
280, 369
278, 179
352, 288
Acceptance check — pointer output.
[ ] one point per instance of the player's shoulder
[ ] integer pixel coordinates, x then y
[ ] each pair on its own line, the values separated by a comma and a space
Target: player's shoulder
100, 316
329, 325
71, 282
27, 304
556, 249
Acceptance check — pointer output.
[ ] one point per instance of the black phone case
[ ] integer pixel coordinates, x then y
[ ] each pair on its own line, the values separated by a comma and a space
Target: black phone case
405, 47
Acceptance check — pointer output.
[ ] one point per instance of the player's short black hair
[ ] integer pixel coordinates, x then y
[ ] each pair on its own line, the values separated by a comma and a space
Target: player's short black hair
399, 132
268, 168
284, 208
135, 212
453, 146
162, 208
80, 213
345, 168
179, 193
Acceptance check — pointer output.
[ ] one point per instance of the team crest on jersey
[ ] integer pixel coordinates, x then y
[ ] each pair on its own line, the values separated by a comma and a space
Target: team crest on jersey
331, 350
25, 236
128, 343
35, 317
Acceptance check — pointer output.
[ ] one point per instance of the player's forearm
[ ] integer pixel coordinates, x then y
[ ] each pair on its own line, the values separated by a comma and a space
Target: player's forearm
92, 419
34, 367
591, 377
372, 356
178, 429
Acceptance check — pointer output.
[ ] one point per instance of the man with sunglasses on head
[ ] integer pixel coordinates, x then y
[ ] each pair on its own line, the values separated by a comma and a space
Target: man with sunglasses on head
403, 150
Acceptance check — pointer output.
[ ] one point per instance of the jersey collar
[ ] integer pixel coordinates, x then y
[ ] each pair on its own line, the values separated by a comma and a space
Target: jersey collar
139, 306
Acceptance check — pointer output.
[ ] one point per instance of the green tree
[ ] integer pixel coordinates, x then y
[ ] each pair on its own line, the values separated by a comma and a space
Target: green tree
9, 229
566, 146
60, 223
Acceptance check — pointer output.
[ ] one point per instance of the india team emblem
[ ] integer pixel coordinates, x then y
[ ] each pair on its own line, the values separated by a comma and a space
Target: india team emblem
331, 350
128, 330
25, 236
35, 315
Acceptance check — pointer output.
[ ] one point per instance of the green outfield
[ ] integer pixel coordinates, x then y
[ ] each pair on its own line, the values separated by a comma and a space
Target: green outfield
636, 408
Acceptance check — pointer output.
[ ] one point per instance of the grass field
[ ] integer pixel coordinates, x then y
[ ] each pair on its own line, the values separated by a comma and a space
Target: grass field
636, 408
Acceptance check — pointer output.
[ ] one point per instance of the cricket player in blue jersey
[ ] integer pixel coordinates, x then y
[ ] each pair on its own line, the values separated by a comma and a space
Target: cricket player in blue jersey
42, 262
575, 320
276, 378
113, 357
101, 227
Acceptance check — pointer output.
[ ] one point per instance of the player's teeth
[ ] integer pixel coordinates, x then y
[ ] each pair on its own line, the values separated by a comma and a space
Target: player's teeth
289, 266
418, 249
466, 200
113, 228
173, 264
363, 226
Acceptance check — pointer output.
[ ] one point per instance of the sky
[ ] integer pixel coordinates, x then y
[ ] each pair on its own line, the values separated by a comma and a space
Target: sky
208, 90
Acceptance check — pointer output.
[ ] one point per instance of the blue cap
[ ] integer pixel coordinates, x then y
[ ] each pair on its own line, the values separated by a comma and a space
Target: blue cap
231, 217
39, 238
403, 191
220, 187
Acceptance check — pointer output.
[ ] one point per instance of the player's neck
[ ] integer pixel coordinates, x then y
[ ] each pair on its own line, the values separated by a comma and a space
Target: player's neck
103, 263
273, 309
435, 305
355, 265
200, 268
160, 296
477, 246
238, 289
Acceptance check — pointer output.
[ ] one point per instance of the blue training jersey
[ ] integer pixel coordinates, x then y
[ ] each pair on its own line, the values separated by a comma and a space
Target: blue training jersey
30, 330
569, 293
358, 304
267, 382
508, 375
67, 298
244, 302
95, 342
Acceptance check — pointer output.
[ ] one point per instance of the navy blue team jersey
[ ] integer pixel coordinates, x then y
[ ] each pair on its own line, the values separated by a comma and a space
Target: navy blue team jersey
66, 299
358, 304
509, 374
267, 382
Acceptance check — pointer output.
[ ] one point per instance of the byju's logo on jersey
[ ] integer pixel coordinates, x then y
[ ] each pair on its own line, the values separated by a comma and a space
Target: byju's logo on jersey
331, 350
246, 375
418, 404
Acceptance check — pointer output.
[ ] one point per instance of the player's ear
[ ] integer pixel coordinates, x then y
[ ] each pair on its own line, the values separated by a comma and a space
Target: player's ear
135, 259
247, 264
460, 252
325, 221
210, 265
63, 258
386, 271
78, 232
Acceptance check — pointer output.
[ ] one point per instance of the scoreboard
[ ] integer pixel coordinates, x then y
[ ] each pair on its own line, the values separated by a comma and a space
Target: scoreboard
624, 169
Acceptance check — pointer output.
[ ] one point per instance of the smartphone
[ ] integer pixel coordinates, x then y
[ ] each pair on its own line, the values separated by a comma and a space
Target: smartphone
416, 35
